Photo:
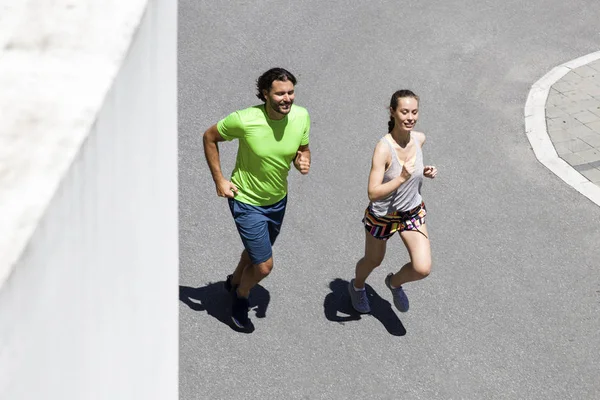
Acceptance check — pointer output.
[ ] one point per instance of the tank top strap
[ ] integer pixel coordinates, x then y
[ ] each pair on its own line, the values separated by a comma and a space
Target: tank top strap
414, 137
387, 141
393, 153
418, 143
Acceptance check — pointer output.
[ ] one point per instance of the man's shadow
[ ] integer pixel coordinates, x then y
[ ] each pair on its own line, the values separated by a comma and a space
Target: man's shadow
213, 299
338, 302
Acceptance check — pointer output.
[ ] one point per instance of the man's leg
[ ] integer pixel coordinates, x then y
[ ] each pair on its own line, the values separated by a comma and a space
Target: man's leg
258, 228
242, 265
252, 270
274, 217
253, 274
245, 218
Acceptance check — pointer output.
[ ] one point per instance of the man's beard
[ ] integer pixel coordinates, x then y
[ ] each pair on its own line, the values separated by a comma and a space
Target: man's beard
278, 107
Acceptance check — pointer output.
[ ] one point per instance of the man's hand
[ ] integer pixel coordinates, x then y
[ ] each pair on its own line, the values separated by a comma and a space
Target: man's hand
429, 171
302, 163
226, 189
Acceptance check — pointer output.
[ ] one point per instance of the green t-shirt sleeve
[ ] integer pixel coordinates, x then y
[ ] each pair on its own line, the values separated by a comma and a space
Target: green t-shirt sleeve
306, 133
231, 127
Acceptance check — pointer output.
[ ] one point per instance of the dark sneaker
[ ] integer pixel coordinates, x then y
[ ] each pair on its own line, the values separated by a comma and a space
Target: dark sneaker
359, 299
239, 313
400, 299
228, 285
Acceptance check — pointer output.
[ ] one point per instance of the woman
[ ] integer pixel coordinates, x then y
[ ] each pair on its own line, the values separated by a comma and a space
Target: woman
396, 205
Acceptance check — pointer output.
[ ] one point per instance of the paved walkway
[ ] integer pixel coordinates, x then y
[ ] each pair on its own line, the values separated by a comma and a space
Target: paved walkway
573, 119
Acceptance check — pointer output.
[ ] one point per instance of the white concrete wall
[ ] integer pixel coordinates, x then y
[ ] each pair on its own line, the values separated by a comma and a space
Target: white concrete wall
89, 278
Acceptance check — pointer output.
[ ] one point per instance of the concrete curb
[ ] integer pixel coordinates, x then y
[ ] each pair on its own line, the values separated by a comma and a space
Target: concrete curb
535, 128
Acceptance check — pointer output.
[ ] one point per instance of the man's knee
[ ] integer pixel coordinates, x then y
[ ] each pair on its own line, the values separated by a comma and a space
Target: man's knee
264, 268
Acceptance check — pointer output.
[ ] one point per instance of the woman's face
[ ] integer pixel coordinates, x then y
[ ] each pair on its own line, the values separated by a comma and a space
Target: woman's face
406, 113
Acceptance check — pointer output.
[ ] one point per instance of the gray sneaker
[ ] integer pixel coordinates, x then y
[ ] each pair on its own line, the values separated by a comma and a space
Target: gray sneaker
400, 299
359, 299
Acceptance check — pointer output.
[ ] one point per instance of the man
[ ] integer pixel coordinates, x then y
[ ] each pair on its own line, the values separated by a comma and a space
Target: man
271, 136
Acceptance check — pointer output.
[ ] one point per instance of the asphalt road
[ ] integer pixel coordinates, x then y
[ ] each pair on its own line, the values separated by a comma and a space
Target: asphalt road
511, 309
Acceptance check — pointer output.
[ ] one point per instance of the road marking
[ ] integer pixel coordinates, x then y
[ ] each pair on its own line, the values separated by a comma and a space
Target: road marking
535, 128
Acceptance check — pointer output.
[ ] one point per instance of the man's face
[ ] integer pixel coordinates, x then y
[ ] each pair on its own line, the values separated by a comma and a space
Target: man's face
280, 97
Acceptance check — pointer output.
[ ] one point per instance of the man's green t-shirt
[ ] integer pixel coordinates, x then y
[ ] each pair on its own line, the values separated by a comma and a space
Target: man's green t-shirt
266, 150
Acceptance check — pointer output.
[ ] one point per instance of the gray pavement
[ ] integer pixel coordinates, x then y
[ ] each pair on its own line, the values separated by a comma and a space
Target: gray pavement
511, 308
573, 119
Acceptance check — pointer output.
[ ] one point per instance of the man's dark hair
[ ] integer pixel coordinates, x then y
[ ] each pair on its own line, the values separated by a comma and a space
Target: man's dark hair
265, 81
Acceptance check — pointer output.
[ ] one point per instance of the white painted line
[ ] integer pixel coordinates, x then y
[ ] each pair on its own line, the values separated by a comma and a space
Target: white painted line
535, 128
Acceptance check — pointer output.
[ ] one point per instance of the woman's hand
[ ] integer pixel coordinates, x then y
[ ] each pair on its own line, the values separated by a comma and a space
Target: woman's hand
429, 171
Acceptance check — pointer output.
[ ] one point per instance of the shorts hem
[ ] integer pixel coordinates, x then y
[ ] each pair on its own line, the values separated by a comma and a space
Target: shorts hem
386, 226
260, 262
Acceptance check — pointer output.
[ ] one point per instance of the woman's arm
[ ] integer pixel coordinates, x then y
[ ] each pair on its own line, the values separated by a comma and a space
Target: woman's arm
378, 190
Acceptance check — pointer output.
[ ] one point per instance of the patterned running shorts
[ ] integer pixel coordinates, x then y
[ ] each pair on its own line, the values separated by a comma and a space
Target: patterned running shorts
384, 227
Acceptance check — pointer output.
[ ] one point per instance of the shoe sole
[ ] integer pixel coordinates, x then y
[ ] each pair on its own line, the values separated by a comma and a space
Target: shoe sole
236, 323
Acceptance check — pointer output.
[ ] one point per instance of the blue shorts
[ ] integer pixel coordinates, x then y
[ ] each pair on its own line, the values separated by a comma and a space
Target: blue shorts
258, 227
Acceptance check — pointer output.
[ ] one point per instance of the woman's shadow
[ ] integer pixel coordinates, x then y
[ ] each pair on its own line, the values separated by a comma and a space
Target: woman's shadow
216, 301
338, 302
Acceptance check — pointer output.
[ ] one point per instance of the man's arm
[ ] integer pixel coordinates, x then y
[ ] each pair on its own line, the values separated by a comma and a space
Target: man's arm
302, 160
210, 140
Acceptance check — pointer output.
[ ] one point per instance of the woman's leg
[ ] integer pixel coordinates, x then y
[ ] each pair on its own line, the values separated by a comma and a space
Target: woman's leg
419, 250
374, 253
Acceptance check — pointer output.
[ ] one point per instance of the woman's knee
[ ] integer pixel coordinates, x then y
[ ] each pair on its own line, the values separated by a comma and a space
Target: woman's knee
373, 261
423, 268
